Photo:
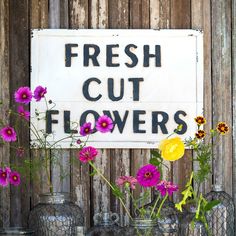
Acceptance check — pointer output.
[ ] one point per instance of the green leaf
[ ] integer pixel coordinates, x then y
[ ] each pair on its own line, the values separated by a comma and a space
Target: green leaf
93, 173
156, 154
211, 204
154, 162
116, 191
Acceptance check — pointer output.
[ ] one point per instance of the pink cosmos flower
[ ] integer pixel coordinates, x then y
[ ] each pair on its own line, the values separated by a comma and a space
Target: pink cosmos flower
8, 134
87, 154
166, 187
39, 93
104, 124
85, 129
4, 176
14, 178
23, 95
148, 176
20, 152
22, 112
129, 180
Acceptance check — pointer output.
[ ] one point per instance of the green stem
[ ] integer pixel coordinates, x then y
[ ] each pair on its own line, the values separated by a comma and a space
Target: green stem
154, 207
159, 209
104, 178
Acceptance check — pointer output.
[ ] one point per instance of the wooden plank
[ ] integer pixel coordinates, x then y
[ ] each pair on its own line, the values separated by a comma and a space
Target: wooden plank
5, 102
120, 158
198, 14
54, 14
39, 14
180, 14
100, 190
221, 79
78, 14
180, 18
39, 19
19, 76
234, 95
80, 179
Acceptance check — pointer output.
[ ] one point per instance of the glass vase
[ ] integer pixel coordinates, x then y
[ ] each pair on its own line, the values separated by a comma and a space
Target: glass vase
188, 227
55, 215
106, 224
142, 227
16, 231
221, 217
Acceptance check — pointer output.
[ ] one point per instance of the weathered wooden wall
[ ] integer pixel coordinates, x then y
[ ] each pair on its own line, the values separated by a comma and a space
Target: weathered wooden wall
215, 17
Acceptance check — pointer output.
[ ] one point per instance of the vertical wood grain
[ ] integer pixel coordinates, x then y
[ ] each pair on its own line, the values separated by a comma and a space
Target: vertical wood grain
234, 96
120, 158
180, 19
100, 190
221, 82
80, 178
200, 20
19, 76
5, 100
39, 19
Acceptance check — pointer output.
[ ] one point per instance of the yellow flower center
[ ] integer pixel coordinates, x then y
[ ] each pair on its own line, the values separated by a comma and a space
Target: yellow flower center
104, 124
148, 175
9, 132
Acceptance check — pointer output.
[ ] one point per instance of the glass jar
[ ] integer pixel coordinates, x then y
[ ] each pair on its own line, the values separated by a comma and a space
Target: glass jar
106, 224
55, 215
221, 217
16, 231
142, 227
189, 227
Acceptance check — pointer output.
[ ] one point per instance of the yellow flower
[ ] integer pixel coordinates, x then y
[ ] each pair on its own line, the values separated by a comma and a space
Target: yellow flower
172, 149
222, 128
200, 120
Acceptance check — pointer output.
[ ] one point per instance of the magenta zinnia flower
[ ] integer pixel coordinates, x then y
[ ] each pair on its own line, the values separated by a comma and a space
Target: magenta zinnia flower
104, 124
22, 112
148, 176
85, 129
39, 93
4, 176
8, 134
14, 178
87, 154
23, 95
166, 187
129, 180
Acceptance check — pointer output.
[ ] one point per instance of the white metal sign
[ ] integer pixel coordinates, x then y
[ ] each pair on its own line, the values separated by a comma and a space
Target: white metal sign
147, 81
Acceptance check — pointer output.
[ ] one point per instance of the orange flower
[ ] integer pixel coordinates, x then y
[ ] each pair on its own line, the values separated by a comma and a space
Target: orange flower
200, 120
172, 149
200, 134
222, 128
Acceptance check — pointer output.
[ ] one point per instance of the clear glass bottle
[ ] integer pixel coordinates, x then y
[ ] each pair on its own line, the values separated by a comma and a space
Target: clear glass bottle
142, 227
106, 224
222, 216
55, 215
168, 222
190, 228
16, 231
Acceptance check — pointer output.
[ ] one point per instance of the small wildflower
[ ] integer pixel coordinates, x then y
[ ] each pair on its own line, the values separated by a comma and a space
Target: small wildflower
20, 152
78, 141
130, 181
200, 134
85, 129
23, 95
165, 187
14, 178
22, 112
8, 134
222, 128
104, 124
39, 93
200, 120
